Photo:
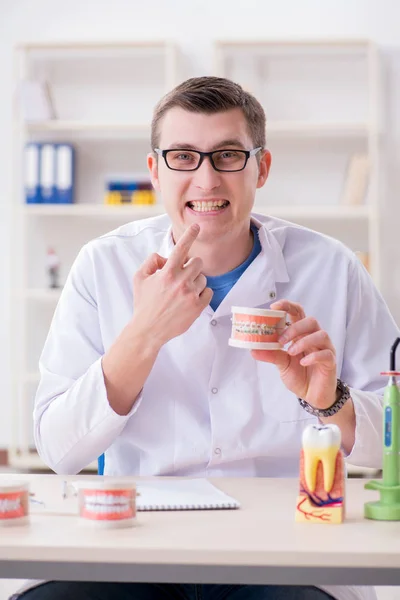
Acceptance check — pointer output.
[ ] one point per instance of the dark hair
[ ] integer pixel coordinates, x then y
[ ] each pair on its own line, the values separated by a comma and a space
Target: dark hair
212, 95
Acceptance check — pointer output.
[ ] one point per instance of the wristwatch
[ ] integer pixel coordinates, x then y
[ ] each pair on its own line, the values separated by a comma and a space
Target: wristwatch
342, 395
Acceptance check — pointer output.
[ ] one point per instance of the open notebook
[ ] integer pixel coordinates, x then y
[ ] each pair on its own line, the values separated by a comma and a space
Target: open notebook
157, 494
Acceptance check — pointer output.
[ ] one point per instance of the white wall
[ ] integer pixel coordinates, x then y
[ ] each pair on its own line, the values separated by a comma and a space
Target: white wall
193, 24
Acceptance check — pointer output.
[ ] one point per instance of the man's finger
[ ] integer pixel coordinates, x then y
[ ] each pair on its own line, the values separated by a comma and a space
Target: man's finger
179, 254
194, 266
293, 309
319, 340
323, 357
206, 296
152, 264
200, 283
300, 328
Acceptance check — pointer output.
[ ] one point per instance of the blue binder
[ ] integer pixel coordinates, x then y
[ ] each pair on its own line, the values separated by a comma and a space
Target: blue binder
48, 173
65, 173
32, 174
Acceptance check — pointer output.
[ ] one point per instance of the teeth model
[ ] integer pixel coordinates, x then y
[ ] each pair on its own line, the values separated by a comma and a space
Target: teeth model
13, 506
320, 443
109, 505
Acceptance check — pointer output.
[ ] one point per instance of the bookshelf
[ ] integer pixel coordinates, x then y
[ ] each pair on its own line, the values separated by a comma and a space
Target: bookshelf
323, 101
102, 95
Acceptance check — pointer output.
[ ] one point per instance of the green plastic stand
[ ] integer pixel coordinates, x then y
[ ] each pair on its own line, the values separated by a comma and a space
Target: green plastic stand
388, 507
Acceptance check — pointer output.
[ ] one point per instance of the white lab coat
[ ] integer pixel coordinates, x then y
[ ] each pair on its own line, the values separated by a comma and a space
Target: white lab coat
207, 409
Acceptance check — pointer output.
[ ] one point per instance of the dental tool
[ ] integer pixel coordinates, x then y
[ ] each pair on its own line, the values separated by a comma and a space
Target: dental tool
387, 508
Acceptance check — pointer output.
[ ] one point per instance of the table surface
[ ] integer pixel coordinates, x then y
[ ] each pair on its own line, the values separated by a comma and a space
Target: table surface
258, 543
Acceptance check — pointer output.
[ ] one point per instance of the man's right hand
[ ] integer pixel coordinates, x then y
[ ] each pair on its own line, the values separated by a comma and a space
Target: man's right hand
169, 294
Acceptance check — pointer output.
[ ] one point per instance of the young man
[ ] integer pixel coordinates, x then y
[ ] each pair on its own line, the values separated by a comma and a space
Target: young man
144, 372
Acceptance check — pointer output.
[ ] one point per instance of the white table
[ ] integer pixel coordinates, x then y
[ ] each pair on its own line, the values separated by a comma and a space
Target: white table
258, 544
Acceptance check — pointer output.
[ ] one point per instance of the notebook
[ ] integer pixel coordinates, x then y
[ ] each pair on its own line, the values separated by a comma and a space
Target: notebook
182, 494
157, 494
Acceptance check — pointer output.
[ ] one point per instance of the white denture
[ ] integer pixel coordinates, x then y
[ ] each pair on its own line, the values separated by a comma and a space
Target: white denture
106, 499
9, 505
106, 503
106, 509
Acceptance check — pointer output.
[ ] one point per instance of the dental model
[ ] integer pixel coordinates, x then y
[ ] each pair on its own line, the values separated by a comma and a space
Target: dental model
14, 503
321, 497
109, 504
257, 328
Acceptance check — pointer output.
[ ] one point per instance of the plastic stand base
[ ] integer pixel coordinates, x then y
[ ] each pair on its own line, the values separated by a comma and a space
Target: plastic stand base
388, 507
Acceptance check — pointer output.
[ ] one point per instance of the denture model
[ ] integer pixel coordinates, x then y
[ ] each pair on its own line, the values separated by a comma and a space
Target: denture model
257, 328
14, 503
107, 503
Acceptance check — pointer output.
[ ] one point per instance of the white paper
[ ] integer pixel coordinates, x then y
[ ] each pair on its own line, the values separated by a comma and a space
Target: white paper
182, 494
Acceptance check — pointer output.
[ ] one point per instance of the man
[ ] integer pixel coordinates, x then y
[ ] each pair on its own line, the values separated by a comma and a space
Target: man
149, 378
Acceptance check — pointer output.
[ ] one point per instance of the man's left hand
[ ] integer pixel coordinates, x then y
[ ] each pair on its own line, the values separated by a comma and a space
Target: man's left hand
308, 367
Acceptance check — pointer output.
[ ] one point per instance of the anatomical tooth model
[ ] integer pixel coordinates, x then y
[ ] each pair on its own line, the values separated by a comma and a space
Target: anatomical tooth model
321, 497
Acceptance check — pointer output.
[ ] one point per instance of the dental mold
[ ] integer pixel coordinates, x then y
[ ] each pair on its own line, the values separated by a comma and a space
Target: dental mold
257, 328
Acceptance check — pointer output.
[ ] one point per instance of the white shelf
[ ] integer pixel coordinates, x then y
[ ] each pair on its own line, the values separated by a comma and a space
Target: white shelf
295, 213
132, 211
27, 461
89, 45
33, 461
116, 129
328, 43
137, 212
320, 129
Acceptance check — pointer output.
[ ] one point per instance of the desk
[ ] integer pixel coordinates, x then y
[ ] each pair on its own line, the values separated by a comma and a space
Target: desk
259, 543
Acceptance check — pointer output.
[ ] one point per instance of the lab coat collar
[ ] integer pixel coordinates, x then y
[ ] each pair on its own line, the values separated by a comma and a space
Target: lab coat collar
257, 285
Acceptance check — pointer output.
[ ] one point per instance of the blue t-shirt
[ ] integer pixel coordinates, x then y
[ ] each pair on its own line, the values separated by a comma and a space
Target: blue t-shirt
221, 284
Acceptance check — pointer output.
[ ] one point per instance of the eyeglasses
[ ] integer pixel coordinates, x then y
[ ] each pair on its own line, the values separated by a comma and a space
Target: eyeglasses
180, 159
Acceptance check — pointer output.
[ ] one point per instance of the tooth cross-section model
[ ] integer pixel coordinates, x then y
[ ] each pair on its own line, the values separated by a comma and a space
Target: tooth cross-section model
321, 497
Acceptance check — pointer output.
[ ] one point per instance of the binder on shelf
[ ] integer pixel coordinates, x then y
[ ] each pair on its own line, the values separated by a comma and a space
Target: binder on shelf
48, 174
32, 174
65, 167
357, 178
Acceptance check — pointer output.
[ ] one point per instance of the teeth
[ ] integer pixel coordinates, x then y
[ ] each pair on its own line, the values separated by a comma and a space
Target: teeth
106, 503
206, 206
320, 443
106, 509
9, 505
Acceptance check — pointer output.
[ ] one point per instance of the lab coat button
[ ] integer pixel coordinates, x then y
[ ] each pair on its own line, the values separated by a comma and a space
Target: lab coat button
213, 322
214, 390
217, 451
